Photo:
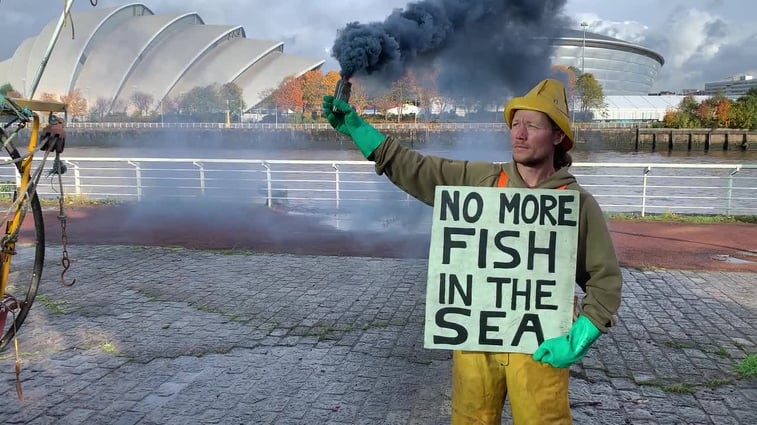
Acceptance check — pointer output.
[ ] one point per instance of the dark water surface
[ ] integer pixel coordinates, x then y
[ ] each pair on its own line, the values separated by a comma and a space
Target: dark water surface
495, 147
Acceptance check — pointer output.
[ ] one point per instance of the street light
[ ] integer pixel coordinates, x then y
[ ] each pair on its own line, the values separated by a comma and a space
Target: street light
583, 48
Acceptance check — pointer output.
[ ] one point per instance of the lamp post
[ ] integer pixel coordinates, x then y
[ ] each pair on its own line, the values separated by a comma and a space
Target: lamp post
583, 47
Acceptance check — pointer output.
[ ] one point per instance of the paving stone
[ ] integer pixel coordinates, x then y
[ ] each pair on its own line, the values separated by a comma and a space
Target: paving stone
285, 339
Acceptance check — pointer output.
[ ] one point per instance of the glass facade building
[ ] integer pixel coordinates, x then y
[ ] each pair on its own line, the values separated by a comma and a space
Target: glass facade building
621, 68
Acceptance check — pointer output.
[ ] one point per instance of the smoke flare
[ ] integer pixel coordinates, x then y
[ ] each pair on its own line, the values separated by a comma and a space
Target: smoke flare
476, 45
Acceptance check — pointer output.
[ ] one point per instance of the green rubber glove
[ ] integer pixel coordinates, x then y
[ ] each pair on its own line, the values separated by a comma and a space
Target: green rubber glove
347, 121
565, 350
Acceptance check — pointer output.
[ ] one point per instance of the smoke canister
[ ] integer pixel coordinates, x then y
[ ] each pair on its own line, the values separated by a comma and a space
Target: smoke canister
342, 91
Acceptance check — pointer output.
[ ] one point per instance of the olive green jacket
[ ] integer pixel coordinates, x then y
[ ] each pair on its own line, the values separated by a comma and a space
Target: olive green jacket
597, 270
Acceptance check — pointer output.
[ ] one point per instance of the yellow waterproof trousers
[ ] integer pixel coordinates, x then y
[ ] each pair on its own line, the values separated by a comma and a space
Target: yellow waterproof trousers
538, 392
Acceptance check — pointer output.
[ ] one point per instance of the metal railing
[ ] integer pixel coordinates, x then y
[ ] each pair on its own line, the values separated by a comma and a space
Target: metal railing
417, 126
643, 188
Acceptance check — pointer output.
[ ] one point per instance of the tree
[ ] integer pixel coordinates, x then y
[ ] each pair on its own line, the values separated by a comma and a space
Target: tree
232, 96
569, 76
723, 107
201, 102
142, 102
288, 94
99, 110
402, 91
330, 80
590, 92
744, 113
76, 104
313, 89
5, 88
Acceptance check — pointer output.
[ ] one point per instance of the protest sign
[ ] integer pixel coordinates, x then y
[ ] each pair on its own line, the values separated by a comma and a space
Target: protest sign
501, 268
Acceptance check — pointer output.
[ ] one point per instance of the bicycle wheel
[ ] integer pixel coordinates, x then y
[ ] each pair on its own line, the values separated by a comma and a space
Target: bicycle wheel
22, 287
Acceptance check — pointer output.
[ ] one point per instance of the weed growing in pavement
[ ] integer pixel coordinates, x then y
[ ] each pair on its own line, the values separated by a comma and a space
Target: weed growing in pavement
680, 388
55, 307
747, 368
109, 347
716, 383
676, 344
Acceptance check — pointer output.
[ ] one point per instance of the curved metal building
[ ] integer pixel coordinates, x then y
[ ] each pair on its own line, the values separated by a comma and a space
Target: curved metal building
621, 68
121, 50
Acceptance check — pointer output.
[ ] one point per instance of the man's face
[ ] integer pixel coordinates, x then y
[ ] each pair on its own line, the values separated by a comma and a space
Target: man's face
533, 138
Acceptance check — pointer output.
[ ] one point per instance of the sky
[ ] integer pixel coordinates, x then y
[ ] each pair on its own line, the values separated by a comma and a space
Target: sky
701, 40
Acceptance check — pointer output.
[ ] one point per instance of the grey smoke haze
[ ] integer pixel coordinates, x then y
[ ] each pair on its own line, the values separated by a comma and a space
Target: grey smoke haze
482, 47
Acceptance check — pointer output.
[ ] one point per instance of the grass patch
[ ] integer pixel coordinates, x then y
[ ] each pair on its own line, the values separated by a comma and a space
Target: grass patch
716, 383
722, 352
55, 307
747, 368
679, 388
109, 347
684, 218
77, 201
676, 344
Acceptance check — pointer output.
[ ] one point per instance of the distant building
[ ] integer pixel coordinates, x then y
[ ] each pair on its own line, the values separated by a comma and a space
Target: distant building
639, 108
121, 50
735, 87
621, 68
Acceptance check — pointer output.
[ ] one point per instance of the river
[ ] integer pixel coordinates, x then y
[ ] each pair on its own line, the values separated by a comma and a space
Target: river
487, 149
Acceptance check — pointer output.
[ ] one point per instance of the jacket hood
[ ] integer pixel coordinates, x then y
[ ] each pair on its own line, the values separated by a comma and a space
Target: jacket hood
561, 178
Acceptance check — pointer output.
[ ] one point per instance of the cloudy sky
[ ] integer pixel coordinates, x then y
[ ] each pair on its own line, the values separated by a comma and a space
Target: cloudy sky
701, 40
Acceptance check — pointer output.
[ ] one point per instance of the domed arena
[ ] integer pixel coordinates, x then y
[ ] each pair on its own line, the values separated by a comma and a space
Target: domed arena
122, 50
622, 68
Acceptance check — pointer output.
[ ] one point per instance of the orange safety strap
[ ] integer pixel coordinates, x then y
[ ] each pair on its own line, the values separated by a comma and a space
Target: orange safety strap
502, 181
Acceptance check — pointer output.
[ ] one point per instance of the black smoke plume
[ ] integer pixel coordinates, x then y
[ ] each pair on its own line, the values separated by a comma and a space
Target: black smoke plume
478, 47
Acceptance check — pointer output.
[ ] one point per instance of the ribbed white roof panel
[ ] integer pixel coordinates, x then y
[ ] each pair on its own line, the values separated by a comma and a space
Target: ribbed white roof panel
69, 52
165, 63
268, 73
106, 69
225, 63
16, 71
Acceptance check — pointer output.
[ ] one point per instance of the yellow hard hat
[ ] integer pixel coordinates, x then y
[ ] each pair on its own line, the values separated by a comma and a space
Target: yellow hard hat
549, 97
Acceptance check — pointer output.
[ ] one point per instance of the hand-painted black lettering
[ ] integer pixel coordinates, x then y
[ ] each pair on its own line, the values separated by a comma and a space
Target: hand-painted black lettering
451, 203
473, 207
548, 203
542, 294
565, 210
529, 323
507, 205
529, 210
512, 252
499, 282
485, 328
483, 243
448, 243
455, 287
524, 292
441, 321
550, 251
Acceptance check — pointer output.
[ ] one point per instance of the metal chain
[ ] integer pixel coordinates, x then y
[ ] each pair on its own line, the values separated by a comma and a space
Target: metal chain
65, 261
9, 304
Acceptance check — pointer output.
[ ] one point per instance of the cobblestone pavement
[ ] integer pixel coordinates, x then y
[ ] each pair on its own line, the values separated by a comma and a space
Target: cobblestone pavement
178, 336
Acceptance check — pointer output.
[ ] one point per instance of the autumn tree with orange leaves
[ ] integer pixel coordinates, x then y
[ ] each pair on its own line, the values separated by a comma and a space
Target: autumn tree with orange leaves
289, 94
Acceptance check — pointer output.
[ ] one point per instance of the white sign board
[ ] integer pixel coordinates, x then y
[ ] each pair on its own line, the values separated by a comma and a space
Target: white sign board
501, 268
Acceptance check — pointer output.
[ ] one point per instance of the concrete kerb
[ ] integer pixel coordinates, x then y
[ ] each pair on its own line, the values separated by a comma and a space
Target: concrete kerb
163, 336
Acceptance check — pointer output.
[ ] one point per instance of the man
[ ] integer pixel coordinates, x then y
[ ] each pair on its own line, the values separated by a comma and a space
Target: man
541, 136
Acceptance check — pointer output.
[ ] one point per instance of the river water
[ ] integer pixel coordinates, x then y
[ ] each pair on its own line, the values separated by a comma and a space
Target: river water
489, 149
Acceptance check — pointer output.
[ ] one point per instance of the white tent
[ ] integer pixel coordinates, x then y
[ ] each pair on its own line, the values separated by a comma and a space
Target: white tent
407, 109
